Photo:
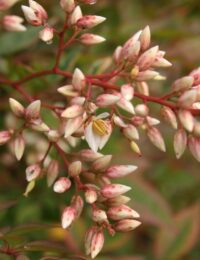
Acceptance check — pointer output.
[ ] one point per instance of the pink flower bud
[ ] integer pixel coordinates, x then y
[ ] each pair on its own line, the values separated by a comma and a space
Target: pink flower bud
156, 138
75, 168
180, 142
143, 88
126, 106
90, 21
169, 116
52, 172
183, 84
68, 217
88, 239
106, 100
97, 243
89, 155
99, 215
73, 111
5, 136
19, 146
78, 205
161, 62
76, 15
32, 172
118, 171
62, 184
78, 101
67, 5
90, 196
13, 23
188, 98
127, 91
90, 39
145, 38
130, 44
151, 121
118, 121
194, 146
68, 90
147, 58
114, 190
6, 4
196, 76
126, 225
117, 201
73, 125
131, 132
142, 110
117, 54
132, 51
122, 212
46, 35
78, 80
33, 110
146, 75
16, 107
102, 163
186, 119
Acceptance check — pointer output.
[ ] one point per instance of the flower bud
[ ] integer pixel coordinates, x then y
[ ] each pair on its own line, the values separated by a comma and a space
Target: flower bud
78, 204
19, 146
147, 58
68, 91
88, 239
5, 136
72, 111
126, 106
188, 98
118, 121
117, 54
194, 146
117, 201
52, 172
78, 80
67, 5
53, 135
145, 38
126, 225
90, 21
114, 190
118, 171
97, 243
127, 91
13, 23
90, 196
46, 35
73, 125
90, 39
186, 120
99, 215
68, 217
16, 107
137, 120
106, 100
122, 212
32, 172
180, 142
89, 155
169, 116
146, 75
183, 83
156, 138
102, 163
33, 110
75, 168
152, 121
142, 110
76, 15
131, 132
62, 184
143, 88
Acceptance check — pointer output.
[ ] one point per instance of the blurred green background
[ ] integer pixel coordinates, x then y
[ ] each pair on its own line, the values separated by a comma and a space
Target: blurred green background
165, 191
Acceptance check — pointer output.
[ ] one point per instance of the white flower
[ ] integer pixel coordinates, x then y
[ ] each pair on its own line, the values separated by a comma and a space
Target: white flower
98, 131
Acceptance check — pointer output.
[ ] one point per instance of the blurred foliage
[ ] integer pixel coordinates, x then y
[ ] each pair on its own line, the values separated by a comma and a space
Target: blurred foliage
165, 191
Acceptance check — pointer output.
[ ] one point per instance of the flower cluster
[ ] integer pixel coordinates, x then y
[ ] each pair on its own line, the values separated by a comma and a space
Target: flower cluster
81, 100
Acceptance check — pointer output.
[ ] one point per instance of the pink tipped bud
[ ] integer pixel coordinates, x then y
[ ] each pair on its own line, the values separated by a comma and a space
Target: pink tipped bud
46, 35
114, 190
32, 172
72, 111
90, 39
180, 142
126, 225
16, 107
78, 205
186, 120
122, 212
33, 110
19, 146
194, 146
147, 58
156, 138
102, 163
118, 171
151, 121
106, 100
145, 38
99, 215
89, 155
68, 217
131, 132
52, 172
97, 243
75, 168
118, 201
90, 196
62, 184
183, 84
73, 125
127, 91
76, 15
78, 80
169, 116
68, 91
5, 136
67, 5
146, 75
142, 110
13, 23
188, 98
126, 106
90, 21
161, 62
88, 239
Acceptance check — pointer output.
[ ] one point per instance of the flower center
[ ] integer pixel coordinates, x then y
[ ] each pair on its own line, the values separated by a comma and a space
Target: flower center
100, 127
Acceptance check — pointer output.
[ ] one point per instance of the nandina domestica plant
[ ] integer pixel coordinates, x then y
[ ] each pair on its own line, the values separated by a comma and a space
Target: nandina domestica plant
90, 108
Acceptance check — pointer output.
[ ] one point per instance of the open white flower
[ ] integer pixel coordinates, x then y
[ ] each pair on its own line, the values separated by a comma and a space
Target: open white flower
98, 131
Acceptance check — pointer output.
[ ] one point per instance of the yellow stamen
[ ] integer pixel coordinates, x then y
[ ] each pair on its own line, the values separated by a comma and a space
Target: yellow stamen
100, 127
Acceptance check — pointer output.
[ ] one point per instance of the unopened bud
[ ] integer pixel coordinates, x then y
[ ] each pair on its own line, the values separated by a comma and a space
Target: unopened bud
67, 5
13, 23
147, 58
52, 172
5, 136
99, 215
156, 138
127, 91
32, 172
78, 80
122, 212
145, 38
142, 110
188, 98
90, 21
180, 142
194, 146
102, 163
68, 91
88, 239
117, 201
89, 155
186, 120
126, 106
19, 146
72, 111
62, 184
68, 217
90, 196
78, 204
90, 39
105, 100
169, 116
33, 110
118, 171
46, 35
126, 225
16, 107
114, 190
131, 132
135, 148
183, 84
97, 243
76, 15
75, 168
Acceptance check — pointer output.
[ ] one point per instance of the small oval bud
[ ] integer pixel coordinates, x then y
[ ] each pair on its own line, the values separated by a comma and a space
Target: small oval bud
142, 110
90, 21
76, 15
122, 212
131, 132
126, 225
32, 172
114, 190
186, 119
5, 136
16, 107
67, 5
105, 100
156, 138
97, 243
33, 110
182, 84
119, 171
127, 91
102, 163
46, 35
180, 142
72, 111
90, 39
78, 80
62, 184
99, 215
68, 217
75, 168
78, 204
19, 146
169, 116
90, 196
